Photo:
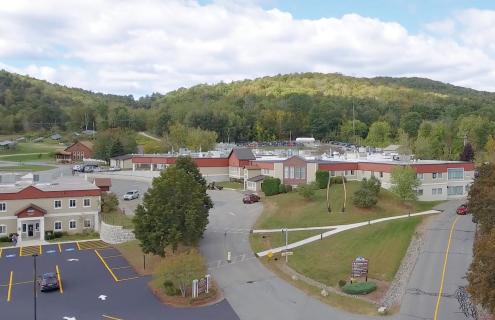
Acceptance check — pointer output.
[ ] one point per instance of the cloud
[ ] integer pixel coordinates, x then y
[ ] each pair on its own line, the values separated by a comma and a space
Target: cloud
144, 46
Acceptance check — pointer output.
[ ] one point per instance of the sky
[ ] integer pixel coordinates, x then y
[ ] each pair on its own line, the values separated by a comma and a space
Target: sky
143, 46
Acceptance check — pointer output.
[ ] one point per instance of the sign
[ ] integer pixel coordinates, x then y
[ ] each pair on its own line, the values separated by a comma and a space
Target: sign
287, 253
360, 268
270, 254
201, 286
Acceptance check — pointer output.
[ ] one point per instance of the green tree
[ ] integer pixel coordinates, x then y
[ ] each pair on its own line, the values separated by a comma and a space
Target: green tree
482, 198
490, 148
379, 134
117, 148
467, 153
410, 122
405, 182
173, 212
109, 202
347, 130
364, 198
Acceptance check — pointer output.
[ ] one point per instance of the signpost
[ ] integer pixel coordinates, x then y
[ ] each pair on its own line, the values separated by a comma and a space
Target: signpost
201, 286
287, 253
360, 268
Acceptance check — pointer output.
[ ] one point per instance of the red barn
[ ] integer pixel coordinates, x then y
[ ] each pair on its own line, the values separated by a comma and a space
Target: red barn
75, 152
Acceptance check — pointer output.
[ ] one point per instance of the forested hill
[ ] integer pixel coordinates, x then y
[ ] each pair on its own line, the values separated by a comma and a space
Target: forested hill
269, 108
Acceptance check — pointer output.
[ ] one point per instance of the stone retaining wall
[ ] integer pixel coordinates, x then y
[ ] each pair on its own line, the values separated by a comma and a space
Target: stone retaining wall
115, 234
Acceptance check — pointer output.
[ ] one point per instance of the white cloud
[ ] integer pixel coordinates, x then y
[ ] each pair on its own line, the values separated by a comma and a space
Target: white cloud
139, 47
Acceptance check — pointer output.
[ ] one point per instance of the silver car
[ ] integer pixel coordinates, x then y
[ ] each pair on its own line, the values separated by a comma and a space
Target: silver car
130, 195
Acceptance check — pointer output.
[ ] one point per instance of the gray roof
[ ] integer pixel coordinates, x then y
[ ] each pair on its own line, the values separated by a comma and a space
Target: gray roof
243, 153
122, 157
257, 178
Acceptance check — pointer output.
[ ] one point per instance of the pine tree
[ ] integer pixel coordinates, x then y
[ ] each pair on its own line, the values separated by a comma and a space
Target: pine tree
467, 153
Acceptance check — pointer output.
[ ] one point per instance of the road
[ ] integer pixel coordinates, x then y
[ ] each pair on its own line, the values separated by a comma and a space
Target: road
422, 292
254, 292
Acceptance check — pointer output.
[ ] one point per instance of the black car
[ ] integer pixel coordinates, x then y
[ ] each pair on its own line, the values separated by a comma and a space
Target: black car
250, 198
49, 282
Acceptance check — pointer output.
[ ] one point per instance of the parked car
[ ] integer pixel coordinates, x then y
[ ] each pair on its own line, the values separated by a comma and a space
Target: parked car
130, 195
49, 282
251, 198
462, 210
114, 169
77, 168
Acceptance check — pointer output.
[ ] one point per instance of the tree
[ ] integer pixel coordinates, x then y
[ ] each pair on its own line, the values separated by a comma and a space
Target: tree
353, 133
180, 136
379, 134
410, 122
270, 186
174, 210
367, 195
373, 184
307, 191
109, 202
117, 148
405, 182
490, 149
182, 269
482, 197
112, 142
467, 153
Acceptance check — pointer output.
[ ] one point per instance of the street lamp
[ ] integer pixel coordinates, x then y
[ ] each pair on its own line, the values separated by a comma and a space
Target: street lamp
34, 285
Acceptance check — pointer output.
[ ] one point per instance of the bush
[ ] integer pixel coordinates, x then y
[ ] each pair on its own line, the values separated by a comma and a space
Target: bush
364, 198
321, 179
307, 190
109, 202
170, 289
270, 186
359, 288
342, 283
288, 188
337, 180
281, 188
5, 239
372, 184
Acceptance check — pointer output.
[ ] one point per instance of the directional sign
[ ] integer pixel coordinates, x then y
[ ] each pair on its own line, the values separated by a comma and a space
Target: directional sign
51, 251
102, 297
70, 249
71, 260
287, 253
10, 256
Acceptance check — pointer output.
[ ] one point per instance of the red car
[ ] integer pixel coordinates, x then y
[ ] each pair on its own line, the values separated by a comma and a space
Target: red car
251, 198
462, 210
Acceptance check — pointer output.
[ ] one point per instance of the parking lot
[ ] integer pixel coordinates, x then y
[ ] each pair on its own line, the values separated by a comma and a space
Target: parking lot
96, 282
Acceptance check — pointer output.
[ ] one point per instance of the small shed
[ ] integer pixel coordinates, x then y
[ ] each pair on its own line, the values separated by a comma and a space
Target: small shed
254, 183
122, 162
103, 183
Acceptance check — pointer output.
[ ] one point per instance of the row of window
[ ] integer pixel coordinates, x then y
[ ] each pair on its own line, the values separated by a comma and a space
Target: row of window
57, 226
57, 204
295, 173
451, 190
434, 175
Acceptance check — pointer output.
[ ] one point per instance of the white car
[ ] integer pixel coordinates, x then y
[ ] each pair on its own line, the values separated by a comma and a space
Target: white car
77, 167
130, 195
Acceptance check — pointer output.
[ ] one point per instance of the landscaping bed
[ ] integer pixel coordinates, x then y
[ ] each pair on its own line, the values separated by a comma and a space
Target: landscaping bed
63, 236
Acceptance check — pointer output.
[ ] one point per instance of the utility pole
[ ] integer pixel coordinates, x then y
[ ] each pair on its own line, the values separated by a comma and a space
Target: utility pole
353, 117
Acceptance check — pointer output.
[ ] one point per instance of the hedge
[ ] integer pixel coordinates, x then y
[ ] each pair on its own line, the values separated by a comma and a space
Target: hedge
322, 179
359, 287
270, 186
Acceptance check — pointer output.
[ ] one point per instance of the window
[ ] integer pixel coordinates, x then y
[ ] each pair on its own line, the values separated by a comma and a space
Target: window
436, 175
3, 229
72, 224
57, 226
3, 207
352, 172
303, 173
332, 173
292, 172
37, 226
24, 227
87, 223
87, 203
300, 173
456, 174
419, 192
372, 173
420, 176
265, 172
72, 203
347, 172
436, 191
381, 174
57, 204
455, 191
286, 172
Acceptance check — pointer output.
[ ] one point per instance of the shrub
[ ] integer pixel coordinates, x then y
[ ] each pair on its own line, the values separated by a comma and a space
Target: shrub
307, 190
288, 188
109, 202
337, 180
342, 283
321, 179
359, 288
270, 186
5, 239
372, 184
170, 289
364, 198
281, 188
182, 269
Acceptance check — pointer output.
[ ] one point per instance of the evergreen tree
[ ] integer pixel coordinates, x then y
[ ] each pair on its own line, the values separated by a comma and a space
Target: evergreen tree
467, 153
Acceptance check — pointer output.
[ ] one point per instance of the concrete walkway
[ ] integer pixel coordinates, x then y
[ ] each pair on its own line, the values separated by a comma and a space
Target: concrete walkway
334, 230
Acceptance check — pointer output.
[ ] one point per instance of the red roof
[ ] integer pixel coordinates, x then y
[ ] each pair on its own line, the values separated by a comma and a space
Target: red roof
103, 182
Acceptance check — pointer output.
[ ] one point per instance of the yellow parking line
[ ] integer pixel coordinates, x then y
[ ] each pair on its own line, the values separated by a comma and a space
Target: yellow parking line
20, 251
78, 246
444, 268
40, 251
59, 248
1, 251
10, 285
110, 317
106, 265
59, 279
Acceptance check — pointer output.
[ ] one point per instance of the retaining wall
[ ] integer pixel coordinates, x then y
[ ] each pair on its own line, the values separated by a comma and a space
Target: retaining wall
115, 234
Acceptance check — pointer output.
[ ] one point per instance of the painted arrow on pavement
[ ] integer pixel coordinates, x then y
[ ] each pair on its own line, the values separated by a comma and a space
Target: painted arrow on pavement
102, 297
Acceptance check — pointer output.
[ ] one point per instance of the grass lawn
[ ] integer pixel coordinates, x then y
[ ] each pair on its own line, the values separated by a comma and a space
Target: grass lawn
133, 253
26, 167
117, 219
292, 210
30, 147
5, 244
384, 244
77, 237
27, 157
230, 184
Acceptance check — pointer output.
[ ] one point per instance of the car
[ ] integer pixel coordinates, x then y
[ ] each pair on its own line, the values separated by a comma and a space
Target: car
130, 195
77, 168
250, 198
462, 210
49, 282
114, 169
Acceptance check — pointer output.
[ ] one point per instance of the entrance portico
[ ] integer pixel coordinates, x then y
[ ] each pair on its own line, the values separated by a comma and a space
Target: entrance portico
31, 223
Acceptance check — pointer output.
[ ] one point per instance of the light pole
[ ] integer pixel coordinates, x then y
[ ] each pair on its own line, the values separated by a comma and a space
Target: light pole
34, 285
